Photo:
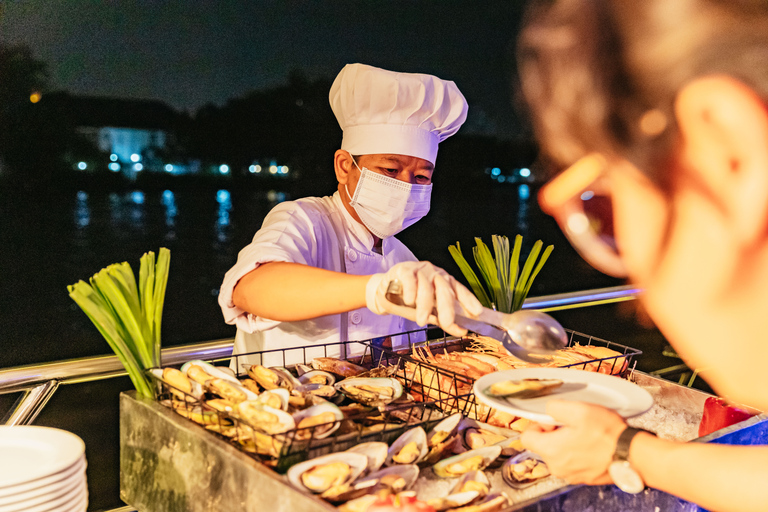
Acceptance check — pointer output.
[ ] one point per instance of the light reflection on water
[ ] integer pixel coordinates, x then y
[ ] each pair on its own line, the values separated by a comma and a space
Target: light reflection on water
222, 222
82, 210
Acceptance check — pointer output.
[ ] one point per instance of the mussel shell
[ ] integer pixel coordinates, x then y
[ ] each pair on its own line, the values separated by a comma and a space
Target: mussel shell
248, 410
376, 452
491, 503
453, 500
217, 372
409, 473
321, 390
315, 432
446, 469
327, 378
188, 390
474, 476
281, 393
227, 389
507, 468
523, 388
416, 435
467, 424
355, 461
445, 428
372, 398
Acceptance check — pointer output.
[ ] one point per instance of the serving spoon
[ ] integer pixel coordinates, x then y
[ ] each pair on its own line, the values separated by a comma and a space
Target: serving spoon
527, 334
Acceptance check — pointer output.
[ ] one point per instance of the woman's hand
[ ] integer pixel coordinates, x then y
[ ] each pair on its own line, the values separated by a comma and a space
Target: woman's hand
581, 450
426, 287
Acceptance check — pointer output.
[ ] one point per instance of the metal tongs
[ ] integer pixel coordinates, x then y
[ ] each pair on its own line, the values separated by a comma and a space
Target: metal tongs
527, 334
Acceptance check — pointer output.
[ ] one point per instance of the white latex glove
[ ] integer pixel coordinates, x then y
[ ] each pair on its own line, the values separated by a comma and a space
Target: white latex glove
425, 286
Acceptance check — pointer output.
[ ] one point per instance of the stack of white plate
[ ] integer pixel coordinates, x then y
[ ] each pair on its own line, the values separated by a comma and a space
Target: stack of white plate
42, 469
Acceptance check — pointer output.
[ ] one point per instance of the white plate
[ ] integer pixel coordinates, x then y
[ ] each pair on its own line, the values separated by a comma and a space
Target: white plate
32, 452
43, 497
46, 492
76, 470
54, 503
624, 397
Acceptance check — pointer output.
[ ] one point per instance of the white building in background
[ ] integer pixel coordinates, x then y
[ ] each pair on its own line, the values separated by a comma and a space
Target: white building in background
132, 136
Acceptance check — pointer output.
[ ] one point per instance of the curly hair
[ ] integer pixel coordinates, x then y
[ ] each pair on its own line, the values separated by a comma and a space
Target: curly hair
602, 75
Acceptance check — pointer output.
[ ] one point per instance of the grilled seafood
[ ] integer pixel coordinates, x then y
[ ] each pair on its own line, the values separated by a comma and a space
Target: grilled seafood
337, 366
325, 418
265, 418
409, 448
527, 470
468, 461
407, 454
321, 478
373, 392
196, 373
323, 473
265, 377
523, 388
227, 390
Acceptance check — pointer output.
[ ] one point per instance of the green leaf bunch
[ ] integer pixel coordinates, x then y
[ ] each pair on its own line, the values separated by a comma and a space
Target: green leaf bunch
127, 314
506, 284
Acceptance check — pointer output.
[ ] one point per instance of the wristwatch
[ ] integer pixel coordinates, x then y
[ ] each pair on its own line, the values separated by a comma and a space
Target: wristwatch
623, 474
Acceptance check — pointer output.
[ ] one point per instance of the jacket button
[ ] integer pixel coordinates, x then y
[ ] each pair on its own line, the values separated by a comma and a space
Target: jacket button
356, 317
351, 255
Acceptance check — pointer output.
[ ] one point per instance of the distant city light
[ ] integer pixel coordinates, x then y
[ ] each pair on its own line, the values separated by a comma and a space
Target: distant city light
138, 167
502, 179
224, 169
255, 169
272, 169
114, 166
82, 196
137, 197
284, 169
495, 171
135, 157
525, 172
222, 196
587, 195
523, 192
168, 168
113, 157
82, 166
35, 97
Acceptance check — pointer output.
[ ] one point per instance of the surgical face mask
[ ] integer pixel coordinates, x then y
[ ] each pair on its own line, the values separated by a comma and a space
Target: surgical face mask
385, 205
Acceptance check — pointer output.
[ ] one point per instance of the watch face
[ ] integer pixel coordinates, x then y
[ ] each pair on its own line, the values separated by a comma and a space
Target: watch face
625, 477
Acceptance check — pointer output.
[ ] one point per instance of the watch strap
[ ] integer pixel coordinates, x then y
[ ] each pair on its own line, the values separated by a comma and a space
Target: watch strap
624, 442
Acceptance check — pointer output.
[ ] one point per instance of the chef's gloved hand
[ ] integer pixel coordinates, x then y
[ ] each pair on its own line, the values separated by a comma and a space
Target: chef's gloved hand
425, 286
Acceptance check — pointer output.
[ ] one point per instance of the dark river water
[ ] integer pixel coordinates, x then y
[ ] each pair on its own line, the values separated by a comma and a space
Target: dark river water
52, 238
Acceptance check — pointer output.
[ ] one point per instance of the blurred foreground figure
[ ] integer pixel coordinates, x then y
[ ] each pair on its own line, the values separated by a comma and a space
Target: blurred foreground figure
659, 108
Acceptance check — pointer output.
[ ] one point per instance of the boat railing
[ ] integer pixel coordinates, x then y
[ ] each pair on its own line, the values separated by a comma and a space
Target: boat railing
38, 382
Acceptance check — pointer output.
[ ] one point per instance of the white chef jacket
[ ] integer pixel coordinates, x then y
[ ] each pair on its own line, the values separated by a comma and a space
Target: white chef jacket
306, 231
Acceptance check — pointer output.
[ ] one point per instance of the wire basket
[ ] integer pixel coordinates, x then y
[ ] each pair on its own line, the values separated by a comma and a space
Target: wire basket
425, 375
281, 450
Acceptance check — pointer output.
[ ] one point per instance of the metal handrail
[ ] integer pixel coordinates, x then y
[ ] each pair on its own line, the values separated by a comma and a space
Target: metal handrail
39, 381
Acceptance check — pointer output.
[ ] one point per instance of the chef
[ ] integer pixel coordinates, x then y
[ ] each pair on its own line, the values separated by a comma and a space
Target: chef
317, 270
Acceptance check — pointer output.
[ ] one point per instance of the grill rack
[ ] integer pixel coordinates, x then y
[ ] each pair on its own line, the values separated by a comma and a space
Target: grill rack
460, 386
300, 444
443, 393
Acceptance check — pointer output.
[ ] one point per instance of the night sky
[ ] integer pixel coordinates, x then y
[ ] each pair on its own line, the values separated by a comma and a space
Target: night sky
189, 53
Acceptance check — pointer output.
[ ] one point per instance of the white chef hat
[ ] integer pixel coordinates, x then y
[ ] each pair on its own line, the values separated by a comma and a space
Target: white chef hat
386, 112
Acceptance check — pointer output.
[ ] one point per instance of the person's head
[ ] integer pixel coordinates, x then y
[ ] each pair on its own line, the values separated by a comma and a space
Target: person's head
392, 124
668, 100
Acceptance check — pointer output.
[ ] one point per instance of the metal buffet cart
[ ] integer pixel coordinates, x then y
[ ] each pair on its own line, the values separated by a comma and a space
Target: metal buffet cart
170, 463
